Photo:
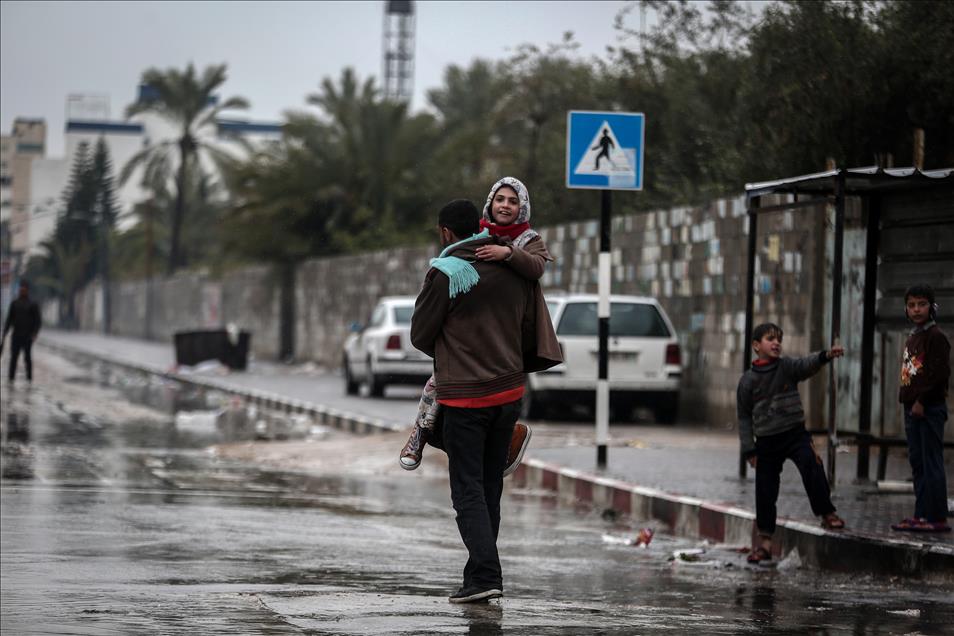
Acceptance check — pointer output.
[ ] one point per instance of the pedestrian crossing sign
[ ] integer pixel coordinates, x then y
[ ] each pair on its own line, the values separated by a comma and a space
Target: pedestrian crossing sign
604, 150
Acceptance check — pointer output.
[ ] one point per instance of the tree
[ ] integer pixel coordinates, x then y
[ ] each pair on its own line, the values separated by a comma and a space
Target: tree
62, 269
103, 216
470, 113
189, 102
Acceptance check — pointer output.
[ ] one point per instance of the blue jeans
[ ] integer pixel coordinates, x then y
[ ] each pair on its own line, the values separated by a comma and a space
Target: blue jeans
926, 454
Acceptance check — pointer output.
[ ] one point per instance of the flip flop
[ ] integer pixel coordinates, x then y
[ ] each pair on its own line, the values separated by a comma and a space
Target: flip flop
831, 521
930, 526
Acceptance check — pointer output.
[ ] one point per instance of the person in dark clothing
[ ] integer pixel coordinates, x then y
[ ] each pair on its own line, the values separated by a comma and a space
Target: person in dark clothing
469, 316
772, 429
925, 373
23, 317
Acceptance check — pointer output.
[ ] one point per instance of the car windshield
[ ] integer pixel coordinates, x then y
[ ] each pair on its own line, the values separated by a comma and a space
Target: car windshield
402, 315
634, 320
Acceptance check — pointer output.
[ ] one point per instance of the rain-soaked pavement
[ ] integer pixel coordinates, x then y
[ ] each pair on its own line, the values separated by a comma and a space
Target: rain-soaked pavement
117, 517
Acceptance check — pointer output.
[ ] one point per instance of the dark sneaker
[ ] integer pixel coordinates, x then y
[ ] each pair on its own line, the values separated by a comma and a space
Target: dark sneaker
474, 594
412, 453
518, 445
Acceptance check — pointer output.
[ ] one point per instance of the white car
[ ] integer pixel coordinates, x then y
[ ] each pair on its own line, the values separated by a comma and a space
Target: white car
380, 352
645, 367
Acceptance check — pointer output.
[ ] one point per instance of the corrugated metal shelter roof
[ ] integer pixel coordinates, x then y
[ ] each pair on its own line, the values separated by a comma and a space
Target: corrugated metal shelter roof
857, 180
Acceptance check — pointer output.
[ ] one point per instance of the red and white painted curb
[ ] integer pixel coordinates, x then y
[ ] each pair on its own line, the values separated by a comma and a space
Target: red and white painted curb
729, 524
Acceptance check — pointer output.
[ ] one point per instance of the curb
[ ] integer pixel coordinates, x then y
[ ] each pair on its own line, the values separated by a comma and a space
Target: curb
725, 523
327, 416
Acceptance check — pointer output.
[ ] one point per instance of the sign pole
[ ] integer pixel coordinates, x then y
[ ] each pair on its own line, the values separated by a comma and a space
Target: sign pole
603, 312
604, 151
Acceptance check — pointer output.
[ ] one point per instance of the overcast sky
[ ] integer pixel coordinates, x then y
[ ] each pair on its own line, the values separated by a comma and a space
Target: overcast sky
277, 52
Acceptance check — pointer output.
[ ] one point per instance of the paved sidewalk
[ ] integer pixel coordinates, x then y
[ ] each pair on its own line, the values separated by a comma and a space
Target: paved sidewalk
687, 480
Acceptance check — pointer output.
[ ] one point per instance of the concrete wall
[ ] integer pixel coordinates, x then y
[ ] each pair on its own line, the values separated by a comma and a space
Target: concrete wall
692, 258
189, 301
333, 293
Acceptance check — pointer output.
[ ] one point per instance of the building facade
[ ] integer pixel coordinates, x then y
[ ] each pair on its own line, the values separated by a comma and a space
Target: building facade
36, 182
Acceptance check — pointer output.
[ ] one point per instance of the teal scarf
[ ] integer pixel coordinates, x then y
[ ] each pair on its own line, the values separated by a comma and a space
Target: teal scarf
462, 274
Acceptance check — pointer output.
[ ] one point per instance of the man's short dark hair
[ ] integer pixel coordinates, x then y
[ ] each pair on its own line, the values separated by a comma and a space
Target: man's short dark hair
461, 217
766, 329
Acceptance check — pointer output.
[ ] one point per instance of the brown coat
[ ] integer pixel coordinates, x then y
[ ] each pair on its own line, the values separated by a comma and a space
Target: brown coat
541, 349
485, 340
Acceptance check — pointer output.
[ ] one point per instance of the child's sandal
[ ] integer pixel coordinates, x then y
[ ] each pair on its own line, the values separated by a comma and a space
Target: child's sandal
759, 555
831, 521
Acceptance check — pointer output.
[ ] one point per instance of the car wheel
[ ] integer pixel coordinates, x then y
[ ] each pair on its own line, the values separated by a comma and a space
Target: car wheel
351, 385
530, 406
667, 410
375, 382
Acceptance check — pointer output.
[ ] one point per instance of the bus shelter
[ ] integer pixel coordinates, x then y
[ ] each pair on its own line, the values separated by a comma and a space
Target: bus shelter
907, 221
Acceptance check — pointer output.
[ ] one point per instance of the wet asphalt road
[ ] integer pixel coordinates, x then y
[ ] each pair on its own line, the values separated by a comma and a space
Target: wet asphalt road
116, 518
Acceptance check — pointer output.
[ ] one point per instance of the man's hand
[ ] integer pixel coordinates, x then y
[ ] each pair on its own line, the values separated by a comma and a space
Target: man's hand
836, 352
753, 460
917, 409
493, 252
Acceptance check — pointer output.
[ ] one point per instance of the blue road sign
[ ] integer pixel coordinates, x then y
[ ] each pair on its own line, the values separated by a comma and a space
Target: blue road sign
604, 150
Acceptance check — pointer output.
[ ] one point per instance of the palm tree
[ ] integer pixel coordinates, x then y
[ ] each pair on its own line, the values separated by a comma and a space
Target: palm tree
187, 100
373, 150
63, 269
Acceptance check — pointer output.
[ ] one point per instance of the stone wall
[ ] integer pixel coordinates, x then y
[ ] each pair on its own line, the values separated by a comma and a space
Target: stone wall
333, 293
692, 258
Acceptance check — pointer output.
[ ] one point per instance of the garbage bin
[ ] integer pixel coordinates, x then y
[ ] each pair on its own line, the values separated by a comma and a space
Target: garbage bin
193, 347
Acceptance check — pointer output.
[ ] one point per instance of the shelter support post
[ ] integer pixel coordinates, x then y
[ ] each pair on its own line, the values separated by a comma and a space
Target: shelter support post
749, 299
836, 279
872, 242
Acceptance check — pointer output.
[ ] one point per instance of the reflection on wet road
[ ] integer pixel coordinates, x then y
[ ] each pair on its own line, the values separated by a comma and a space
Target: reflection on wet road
117, 519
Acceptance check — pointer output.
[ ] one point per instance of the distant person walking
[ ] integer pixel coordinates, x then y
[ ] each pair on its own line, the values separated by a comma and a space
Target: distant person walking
605, 143
23, 317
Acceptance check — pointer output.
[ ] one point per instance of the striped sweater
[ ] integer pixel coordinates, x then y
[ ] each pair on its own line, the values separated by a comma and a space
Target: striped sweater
767, 399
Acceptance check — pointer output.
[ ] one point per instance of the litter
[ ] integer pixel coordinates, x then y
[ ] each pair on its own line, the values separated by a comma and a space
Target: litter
644, 536
913, 613
642, 539
688, 554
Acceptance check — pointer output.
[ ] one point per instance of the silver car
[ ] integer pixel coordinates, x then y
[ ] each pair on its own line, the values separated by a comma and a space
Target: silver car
380, 352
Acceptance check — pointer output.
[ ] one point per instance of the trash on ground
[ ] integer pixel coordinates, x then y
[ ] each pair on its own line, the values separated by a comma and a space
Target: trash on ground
913, 613
207, 367
644, 536
688, 554
792, 561
641, 540
694, 557
893, 485
197, 420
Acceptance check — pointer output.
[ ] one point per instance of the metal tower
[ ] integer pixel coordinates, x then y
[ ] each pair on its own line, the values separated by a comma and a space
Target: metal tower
399, 49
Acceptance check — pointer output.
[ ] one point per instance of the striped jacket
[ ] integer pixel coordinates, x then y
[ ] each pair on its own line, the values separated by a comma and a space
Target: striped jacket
767, 399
